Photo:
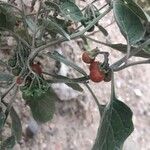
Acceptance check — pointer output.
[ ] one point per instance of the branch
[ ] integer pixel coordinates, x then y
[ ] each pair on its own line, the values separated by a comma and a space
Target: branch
73, 36
132, 64
100, 107
4, 95
17, 37
8, 4
121, 48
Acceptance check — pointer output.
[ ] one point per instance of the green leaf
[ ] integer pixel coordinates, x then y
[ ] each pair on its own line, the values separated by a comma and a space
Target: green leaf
31, 24
73, 83
73, 1
7, 18
147, 49
24, 35
116, 126
41, 102
75, 86
52, 5
103, 30
136, 9
123, 48
128, 22
2, 118
71, 11
8, 143
2, 63
58, 57
51, 25
4, 77
16, 124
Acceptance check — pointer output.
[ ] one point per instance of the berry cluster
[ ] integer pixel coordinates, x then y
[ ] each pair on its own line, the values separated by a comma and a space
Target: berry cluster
98, 71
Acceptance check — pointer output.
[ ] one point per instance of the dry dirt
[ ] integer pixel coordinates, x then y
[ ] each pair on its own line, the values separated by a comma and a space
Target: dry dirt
76, 120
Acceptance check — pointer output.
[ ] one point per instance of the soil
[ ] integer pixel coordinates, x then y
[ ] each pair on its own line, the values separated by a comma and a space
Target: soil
76, 119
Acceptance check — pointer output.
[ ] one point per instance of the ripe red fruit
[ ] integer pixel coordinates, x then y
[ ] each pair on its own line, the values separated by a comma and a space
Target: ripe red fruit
97, 75
19, 80
94, 65
37, 68
87, 58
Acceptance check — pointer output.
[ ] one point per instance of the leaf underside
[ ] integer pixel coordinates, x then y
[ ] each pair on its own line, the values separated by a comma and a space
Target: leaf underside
116, 125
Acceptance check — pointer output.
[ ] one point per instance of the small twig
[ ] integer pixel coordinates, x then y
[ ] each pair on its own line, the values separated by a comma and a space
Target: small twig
123, 59
89, 4
90, 34
17, 37
64, 79
36, 21
73, 36
9, 105
8, 4
96, 41
132, 64
128, 50
100, 107
8, 90
102, 7
24, 17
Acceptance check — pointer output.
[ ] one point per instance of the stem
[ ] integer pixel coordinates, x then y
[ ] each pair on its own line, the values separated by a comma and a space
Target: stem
24, 17
17, 37
132, 64
4, 95
128, 50
103, 7
96, 41
9, 106
137, 50
36, 21
73, 36
89, 4
119, 62
64, 79
100, 107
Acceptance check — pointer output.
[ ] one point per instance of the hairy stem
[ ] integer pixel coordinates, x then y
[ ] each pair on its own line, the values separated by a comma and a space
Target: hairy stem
132, 64
73, 36
100, 107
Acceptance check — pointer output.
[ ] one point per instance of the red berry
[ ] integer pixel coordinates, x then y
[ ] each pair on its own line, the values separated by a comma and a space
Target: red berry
19, 80
97, 75
94, 65
37, 68
86, 58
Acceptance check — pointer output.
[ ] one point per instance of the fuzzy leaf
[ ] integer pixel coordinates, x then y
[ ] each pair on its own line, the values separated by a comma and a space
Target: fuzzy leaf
116, 125
41, 102
136, 9
128, 22
8, 144
2, 118
58, 57
123, 48
7, 18
16, 124
147, 50
5, 77
71, 11
52, 26
75, 86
